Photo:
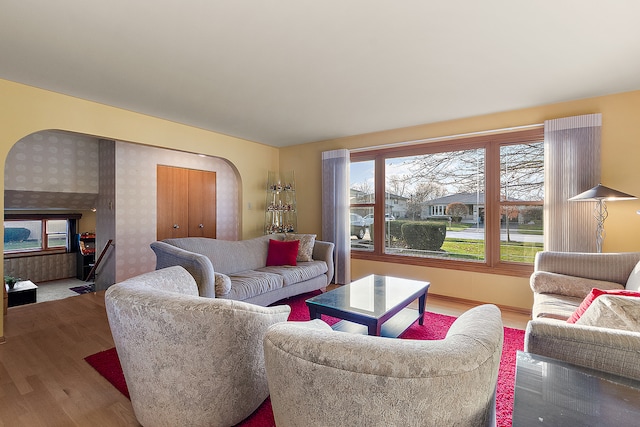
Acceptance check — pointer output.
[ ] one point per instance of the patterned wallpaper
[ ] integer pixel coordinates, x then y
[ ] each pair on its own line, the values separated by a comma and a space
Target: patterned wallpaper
54, 169
136, 174
106, 215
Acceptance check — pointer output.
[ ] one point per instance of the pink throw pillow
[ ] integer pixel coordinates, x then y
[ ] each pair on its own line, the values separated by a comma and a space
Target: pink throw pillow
595, 293
282, 253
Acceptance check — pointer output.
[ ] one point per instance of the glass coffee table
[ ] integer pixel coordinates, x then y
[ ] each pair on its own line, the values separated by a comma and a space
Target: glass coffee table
374, 305
551, 392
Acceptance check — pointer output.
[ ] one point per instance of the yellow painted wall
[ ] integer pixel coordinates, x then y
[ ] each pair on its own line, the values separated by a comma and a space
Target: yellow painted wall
25, 110
620, 170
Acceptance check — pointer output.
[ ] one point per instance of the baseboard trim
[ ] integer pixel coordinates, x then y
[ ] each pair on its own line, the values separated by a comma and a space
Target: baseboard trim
469, 302
516, 310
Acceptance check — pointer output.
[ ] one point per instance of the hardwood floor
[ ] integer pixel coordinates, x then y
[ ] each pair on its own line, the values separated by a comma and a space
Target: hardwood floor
44, 380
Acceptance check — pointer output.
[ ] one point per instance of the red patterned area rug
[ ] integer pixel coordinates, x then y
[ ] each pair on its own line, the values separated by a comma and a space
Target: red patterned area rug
435, 327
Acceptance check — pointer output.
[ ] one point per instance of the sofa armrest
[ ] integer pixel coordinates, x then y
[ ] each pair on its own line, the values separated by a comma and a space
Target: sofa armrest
544, 282
610, 267
323, 251
199, 266
609, 350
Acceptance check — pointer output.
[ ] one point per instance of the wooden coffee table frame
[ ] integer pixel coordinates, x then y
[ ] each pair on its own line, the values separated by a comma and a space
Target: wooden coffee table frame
392, 323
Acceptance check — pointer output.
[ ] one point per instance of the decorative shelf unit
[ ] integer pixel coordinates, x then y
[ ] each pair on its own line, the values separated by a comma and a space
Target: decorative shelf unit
281, 213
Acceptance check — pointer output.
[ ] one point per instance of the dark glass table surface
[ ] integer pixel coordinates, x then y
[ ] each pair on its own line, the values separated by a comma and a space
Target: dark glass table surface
372, 296
551, 392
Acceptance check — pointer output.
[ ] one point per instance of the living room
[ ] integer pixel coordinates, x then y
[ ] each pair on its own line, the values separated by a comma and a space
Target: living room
27, 109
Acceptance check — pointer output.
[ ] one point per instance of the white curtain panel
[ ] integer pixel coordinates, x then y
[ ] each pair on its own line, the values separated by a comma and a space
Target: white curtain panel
572, 165
335, 210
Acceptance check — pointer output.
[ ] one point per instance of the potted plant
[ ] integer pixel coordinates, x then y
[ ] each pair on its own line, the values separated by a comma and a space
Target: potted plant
11, 281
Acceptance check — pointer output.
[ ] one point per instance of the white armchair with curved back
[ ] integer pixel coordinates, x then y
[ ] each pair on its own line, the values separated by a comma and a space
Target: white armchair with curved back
318, 376
188, 360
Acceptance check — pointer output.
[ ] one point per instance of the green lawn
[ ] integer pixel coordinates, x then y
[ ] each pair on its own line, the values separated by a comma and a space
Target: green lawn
474, 249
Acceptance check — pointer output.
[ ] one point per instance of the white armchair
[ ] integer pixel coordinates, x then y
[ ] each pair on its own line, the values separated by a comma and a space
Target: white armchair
188, 360
318, 376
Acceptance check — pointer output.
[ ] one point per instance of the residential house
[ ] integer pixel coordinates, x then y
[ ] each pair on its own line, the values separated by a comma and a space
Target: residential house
394, 204
437, 208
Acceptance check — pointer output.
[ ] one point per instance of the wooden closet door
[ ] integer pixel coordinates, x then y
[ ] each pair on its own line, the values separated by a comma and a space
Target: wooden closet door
172, 202
202, 203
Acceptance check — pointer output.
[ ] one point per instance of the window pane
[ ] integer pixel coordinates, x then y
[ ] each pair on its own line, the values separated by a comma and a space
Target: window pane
522, 172
56, 233
435, 205
362, 176
521, 181
56, 226
22, 235
520, 233
361, 228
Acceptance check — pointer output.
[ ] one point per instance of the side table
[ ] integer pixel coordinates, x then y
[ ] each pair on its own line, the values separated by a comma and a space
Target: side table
23, 292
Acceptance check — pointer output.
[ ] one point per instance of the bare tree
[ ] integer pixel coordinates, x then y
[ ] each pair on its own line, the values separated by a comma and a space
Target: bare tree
397, 184
364, 192
457, 170
423, 192
522, 172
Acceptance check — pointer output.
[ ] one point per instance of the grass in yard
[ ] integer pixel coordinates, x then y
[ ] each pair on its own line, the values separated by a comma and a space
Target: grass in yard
474, 249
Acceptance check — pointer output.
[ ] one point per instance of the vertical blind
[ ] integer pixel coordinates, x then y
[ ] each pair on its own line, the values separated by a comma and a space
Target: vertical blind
335, 210
572, 165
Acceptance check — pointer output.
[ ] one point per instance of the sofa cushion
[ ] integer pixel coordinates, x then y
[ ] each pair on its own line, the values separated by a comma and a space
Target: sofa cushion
282, 252
613, 311
303, 271
307, 241
247, 284
544, 282
633, 282
554, 306
595, 293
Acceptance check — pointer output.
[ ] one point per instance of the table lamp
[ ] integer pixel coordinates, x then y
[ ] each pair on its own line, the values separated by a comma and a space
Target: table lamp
600, 194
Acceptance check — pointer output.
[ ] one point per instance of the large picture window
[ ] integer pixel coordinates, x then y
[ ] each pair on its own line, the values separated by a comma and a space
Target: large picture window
467, 203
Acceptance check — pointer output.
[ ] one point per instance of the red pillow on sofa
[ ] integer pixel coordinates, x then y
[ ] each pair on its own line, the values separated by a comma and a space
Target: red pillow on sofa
595, 293
282, 253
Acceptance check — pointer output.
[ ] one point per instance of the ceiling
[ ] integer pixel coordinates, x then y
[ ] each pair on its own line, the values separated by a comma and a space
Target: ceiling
294, 71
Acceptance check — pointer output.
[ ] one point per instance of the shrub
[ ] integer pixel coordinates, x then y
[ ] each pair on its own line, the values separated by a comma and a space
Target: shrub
427, 236
16, 234
457, 211
395, 229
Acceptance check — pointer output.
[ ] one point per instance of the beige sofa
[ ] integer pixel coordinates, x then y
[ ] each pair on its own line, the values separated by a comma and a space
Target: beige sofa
607, 336
237, 269
321, 377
